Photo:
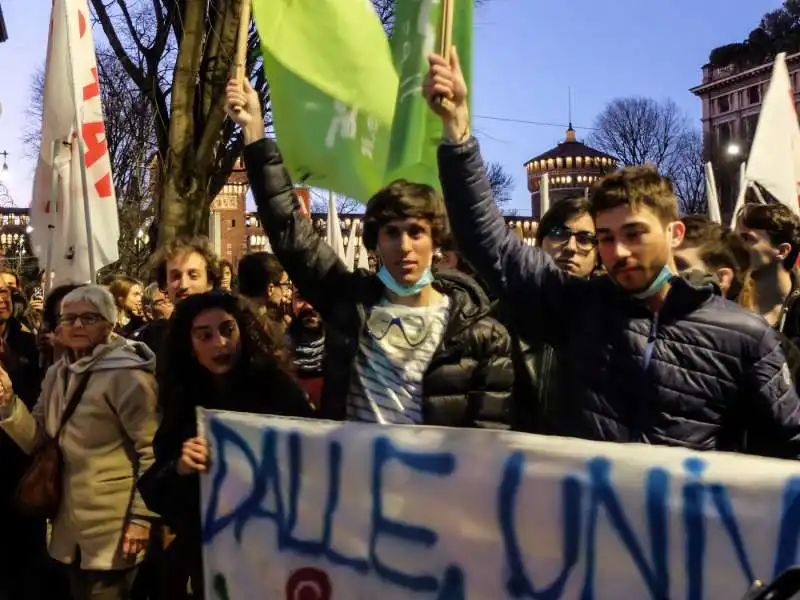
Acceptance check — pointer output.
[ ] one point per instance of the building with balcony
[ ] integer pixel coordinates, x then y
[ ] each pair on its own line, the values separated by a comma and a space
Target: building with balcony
572, 165
731, 102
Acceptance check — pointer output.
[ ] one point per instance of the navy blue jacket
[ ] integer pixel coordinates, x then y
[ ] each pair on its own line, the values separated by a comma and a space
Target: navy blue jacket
715, 377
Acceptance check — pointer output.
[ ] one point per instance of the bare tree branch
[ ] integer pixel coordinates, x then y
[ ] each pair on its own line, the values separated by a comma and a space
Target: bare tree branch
502, 183
640, 131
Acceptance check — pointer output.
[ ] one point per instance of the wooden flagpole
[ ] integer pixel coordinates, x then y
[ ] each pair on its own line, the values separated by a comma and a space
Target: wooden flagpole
241, 44
446, 36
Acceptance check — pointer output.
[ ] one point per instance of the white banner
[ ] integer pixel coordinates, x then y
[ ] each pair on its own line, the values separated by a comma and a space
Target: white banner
73, 118
305, 510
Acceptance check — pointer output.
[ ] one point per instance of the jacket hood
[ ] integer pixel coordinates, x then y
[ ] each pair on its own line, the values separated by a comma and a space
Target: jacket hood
699, 280
470, 303
118, 353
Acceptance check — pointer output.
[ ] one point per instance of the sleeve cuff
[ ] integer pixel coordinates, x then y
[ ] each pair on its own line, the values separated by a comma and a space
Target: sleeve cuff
7, 409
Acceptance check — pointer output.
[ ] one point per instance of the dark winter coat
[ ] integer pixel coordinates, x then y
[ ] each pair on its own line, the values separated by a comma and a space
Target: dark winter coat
703, 373
22, 544
469, 379
177, 498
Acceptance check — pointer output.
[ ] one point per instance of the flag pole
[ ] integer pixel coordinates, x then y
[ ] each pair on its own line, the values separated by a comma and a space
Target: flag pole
240, 64
447, 29
241, 44
51, 228
446, 37
79, 140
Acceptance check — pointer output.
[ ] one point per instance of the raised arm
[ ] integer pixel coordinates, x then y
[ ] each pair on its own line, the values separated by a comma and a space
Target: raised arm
311, 263
541, 297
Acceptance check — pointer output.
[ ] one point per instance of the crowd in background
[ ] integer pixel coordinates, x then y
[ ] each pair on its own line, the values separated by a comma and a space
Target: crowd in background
625, 324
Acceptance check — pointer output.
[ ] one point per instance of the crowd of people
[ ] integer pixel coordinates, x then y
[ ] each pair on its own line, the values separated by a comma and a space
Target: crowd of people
625, 324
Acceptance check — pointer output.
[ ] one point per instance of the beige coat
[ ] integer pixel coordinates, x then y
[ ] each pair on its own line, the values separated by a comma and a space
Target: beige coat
107, 445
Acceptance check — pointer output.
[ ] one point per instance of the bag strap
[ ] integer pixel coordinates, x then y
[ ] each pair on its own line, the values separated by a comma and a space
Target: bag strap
73, 403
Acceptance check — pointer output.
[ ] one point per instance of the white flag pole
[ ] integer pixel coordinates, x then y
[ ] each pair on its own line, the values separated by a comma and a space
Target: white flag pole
544, 194
51, 228
711, 195
742, 193
79, 139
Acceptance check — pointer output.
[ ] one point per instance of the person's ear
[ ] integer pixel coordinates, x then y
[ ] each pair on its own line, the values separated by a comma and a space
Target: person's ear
782, 251
677, 231
725, 279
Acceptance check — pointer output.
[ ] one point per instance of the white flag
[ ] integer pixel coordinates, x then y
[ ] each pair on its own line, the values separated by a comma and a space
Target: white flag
350, 253
73, 119
363, 257
774, 161
334, 236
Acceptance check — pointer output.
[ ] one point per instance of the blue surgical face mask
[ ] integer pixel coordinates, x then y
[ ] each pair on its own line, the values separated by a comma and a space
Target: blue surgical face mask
402, 290
663, 278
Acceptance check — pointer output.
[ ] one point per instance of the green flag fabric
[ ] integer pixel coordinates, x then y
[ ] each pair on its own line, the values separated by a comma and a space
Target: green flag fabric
348, 109
416, 131
332, 88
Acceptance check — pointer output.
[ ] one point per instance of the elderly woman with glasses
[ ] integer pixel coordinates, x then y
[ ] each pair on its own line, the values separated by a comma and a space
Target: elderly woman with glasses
102, 525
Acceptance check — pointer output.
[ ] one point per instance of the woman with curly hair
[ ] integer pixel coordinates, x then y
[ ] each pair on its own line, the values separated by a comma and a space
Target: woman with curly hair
220, 356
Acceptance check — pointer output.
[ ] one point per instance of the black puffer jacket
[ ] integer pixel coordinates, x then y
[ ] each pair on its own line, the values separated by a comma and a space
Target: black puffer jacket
469, 380
703, 373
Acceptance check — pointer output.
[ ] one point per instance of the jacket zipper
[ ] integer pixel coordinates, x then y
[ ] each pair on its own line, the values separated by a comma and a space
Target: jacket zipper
636, 431
651, 343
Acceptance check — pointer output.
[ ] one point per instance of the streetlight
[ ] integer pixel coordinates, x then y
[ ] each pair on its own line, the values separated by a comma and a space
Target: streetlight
734, 149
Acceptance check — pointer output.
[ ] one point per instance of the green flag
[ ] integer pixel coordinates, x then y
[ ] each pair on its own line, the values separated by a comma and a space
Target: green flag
333, 88
348, 109
416, 131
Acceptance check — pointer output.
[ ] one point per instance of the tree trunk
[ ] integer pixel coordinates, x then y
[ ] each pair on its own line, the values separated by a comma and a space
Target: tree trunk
197, 116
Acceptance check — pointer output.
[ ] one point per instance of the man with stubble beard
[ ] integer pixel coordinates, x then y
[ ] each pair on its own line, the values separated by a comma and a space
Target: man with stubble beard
307, 336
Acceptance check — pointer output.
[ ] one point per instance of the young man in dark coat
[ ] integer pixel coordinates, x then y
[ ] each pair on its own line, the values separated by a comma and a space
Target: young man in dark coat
644, 356
403, 346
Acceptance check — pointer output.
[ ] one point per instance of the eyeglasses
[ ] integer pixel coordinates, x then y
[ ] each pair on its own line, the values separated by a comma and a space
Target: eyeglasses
85, 318
584, 240
414, 329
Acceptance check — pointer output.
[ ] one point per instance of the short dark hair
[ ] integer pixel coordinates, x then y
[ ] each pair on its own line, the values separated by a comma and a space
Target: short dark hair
561, 212
636, 187
718, 246
779, 222
225, 263
185, 245
258, 270
400, 200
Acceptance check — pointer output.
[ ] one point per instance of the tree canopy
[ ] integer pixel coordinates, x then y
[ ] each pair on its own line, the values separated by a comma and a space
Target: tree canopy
779, 31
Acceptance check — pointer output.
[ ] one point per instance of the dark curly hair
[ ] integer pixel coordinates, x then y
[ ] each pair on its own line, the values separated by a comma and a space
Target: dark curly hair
400, 200
183, 382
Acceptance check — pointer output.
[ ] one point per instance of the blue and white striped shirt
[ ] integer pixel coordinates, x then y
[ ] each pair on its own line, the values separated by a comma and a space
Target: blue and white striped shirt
391, 362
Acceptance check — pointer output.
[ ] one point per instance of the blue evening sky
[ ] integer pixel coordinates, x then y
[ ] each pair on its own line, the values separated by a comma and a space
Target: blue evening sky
528, 54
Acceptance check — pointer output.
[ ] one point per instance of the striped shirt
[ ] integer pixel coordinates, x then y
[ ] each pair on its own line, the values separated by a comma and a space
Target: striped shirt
394, 351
